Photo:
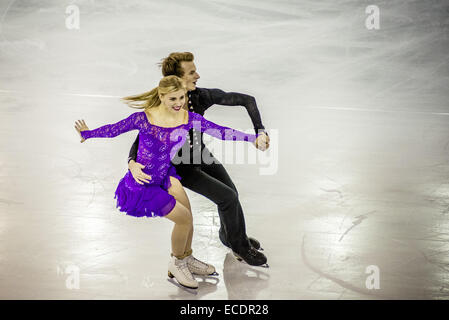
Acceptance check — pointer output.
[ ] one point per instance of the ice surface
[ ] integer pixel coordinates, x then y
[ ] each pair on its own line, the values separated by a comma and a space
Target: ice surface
361, 116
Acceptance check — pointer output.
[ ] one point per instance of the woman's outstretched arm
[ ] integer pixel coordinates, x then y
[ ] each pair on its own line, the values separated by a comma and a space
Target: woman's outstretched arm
109, 130
220, 132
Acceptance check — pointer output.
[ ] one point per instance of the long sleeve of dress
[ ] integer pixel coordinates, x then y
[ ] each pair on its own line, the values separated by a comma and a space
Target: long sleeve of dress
217, 96
113, 130
220, 132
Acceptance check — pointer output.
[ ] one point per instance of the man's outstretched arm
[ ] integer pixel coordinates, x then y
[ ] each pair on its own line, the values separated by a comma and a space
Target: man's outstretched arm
217, 96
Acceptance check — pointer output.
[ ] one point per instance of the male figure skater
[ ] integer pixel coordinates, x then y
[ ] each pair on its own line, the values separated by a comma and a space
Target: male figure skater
210, 179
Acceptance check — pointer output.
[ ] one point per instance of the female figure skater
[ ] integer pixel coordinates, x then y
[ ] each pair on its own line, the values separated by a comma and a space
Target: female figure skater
163, 128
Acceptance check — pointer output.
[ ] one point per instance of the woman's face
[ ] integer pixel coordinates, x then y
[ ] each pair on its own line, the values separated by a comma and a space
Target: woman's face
174, 101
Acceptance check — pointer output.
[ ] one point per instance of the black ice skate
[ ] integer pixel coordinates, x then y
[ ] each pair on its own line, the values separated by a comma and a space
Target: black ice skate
254, 243
252, 257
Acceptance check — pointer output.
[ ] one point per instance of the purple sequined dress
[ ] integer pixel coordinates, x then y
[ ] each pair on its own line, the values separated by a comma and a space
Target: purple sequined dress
157, 147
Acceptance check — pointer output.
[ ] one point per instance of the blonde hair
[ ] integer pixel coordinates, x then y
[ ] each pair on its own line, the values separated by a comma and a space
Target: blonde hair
151, 98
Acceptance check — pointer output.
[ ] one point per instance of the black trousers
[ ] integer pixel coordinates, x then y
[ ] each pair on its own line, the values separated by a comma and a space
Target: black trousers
213, 182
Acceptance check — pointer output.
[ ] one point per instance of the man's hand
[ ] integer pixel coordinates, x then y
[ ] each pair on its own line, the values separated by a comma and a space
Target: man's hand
80, 125
138, 175
262, 142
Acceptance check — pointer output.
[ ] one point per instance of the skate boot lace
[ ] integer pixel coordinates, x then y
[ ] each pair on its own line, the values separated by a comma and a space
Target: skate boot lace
185, 270
197, 264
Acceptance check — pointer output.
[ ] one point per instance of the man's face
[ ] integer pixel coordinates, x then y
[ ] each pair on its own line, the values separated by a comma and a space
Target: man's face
190, 75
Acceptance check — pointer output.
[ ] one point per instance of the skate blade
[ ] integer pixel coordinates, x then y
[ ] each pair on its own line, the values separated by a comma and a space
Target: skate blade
172, 277
213, 274
180, 286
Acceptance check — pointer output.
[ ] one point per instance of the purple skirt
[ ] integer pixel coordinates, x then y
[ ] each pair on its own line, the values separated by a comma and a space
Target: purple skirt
147, 200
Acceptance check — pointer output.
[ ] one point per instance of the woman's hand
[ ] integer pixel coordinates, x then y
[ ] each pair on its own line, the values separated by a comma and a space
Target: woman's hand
80, 125
138, 175
262, 142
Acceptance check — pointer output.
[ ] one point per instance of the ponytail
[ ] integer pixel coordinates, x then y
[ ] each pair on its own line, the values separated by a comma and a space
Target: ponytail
144, 100
151, 99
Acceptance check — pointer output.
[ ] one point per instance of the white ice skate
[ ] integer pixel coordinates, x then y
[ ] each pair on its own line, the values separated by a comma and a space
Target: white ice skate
200, 268
178, 269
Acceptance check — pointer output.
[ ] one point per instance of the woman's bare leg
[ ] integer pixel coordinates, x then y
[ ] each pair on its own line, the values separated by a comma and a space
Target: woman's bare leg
178, 266
178, 192
195, 266
182, 217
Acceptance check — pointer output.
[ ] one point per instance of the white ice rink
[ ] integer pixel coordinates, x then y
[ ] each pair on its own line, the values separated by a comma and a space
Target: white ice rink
360, 123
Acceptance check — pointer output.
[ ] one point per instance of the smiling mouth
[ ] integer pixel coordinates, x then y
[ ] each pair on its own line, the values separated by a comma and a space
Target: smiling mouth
177, 108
